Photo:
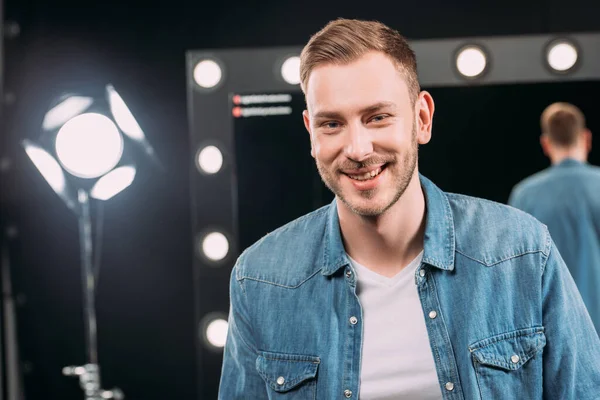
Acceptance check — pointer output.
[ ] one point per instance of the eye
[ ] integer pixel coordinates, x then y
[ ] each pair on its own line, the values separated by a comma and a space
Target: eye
378, 118
330, 125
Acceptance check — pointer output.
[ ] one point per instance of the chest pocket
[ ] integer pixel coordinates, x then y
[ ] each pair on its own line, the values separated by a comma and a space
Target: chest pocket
289, 376
509, 366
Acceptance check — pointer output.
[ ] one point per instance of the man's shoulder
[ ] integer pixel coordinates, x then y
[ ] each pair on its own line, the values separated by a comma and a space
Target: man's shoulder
288, 255
491, 232
536, 180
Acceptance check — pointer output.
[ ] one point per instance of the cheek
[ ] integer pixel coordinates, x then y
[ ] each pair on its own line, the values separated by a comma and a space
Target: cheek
325, 149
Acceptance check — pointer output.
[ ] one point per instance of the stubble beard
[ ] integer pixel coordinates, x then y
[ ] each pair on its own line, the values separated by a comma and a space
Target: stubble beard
402, 173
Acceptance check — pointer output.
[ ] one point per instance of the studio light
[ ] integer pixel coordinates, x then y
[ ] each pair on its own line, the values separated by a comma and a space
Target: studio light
290, 70
215, 246
207, 74
89, 147
89, 136
471, 61
210, 159
562, 56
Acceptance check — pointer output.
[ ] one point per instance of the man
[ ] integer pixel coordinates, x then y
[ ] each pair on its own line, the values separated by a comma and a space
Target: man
397, 290
566, 197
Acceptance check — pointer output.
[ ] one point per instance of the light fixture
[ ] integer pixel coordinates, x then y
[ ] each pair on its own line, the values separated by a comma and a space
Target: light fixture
471, 61
65, 109
89, 145
209, 159
213, 330
214, 246
216, 332
207, 74
562, 55
290, 70
82, 153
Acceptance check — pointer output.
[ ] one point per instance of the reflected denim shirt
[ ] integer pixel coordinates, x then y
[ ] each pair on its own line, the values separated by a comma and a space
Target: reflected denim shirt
509, 322
566, 198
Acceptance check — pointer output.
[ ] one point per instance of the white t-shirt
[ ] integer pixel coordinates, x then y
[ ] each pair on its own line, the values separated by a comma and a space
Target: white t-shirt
397, 362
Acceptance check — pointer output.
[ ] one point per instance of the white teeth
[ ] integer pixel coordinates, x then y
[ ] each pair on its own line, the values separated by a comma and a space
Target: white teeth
366, 175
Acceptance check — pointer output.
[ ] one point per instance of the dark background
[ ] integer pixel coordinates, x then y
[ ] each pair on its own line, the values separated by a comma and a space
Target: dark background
485, 139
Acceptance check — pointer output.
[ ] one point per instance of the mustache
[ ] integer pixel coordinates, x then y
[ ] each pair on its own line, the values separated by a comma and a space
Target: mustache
375, 160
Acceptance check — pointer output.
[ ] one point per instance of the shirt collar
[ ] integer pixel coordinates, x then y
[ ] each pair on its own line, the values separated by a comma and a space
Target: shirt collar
439, 242
568, 162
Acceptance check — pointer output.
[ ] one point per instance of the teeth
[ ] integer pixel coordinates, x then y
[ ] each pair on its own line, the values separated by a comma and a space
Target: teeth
366, 175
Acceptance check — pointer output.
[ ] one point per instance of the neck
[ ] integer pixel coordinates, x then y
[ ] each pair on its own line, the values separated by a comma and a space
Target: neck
386, 243
559, 155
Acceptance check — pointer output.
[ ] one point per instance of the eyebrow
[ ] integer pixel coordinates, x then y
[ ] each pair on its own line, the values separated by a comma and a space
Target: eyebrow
370, 109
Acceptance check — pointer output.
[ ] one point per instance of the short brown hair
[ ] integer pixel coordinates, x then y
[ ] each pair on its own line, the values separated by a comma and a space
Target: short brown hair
343, 41
562, 123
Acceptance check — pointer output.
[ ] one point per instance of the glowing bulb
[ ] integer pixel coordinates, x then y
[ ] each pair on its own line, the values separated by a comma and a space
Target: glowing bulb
216, 332
207, 73
210, 159
89, 145
215, 246
562, 56
471, 62
290, 70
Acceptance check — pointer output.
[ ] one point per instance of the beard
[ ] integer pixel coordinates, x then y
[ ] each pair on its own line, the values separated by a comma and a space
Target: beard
400, 170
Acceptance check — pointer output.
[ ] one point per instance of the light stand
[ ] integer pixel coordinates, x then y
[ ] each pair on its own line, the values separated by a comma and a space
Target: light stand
87, 134
89, 374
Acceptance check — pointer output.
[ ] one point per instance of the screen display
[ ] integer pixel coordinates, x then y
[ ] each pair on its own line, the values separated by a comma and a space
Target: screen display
485, 139
277, 178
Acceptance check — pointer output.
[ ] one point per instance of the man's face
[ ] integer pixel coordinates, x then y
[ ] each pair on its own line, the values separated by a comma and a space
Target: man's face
365, 131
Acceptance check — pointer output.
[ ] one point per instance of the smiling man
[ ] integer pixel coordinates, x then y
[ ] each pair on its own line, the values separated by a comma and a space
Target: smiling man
397, 289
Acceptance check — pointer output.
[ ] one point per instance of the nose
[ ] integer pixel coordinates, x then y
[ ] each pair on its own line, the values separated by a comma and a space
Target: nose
358, 143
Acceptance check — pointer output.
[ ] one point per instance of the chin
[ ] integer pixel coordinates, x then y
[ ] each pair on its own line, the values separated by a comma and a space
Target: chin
367, 207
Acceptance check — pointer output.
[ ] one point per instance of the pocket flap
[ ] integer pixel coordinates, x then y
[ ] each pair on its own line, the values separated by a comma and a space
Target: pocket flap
509, 351
283, 372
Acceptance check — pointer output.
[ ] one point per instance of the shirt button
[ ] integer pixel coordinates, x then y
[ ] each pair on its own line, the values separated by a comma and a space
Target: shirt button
280, 380
348, 273
449, 386
515, 359
348, 393
353, 320
432, 314
422, 272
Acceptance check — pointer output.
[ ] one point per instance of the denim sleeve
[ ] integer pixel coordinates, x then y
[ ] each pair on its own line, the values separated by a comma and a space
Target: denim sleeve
239, 377
572, 351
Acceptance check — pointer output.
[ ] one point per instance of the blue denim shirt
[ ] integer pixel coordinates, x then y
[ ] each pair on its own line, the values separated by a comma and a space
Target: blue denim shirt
509, 321
566, 197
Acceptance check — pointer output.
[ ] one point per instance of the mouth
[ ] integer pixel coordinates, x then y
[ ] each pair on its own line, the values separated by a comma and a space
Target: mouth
366, 175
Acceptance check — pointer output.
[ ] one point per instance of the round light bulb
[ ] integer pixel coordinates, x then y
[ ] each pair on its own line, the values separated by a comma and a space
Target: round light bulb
89, 145
207, 73
215, 246
290, 70
471, 62
562, 56
210, 159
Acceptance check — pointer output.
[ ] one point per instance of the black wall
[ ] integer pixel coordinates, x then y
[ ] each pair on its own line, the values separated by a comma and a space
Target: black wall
485, 139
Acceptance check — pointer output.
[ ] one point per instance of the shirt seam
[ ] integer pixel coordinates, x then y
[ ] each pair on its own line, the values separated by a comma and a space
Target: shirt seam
506, 258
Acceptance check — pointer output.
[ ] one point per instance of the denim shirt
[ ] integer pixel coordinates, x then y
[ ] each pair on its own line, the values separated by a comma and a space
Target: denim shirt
504, 318
566, 197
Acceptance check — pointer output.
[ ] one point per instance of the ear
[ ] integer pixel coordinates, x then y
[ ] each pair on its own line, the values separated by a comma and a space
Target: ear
545, 143
587, 137
306, 119
424, 109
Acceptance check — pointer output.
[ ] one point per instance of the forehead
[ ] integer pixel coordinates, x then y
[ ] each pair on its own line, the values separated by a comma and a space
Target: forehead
371, 79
